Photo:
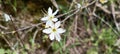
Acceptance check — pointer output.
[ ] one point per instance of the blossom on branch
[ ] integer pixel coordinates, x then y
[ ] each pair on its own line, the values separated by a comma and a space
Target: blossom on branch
50, 17
54, 31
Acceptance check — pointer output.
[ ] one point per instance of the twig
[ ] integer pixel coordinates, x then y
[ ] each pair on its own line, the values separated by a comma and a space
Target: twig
106, 24
65, 13
113, 14
76, 23
71, 15
106, 10
35, 34
55, 4
17, 34
76, 9
2, 27
9, 44
24, 28
88, 4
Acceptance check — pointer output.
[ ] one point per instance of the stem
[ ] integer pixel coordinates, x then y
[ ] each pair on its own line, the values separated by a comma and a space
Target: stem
17, 34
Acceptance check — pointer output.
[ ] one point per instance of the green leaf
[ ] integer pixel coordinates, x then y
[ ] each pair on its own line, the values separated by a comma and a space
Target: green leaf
2, 51
92, 51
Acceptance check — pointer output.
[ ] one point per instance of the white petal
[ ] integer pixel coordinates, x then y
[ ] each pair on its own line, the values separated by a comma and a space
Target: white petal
57, 36
55, 12
48, 23
44, 18
60, 30
47, 31
57, 24
49, 11
51, 24
78, 5
7, 17
54, 19
52, 36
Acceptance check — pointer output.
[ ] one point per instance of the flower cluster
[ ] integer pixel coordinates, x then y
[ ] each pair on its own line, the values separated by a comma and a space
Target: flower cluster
52, 27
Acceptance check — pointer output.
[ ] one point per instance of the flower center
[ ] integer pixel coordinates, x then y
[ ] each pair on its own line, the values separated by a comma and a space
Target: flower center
54, 30
51, 17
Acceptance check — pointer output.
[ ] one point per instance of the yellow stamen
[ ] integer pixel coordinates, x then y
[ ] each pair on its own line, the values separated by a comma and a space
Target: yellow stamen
54, 30
51, 17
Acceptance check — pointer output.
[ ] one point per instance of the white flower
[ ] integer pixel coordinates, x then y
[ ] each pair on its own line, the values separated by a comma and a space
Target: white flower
6, 16
50, 17
54, 31
78, 5
103, 1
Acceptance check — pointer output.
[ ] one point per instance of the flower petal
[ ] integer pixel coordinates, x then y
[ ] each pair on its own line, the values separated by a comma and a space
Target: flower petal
55, 12
48, 23
60, 30
52, 36
7, 17
54, 19
57, 24
78, 5
57, 36
49, 11
44, 18
47, 31
51, 24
